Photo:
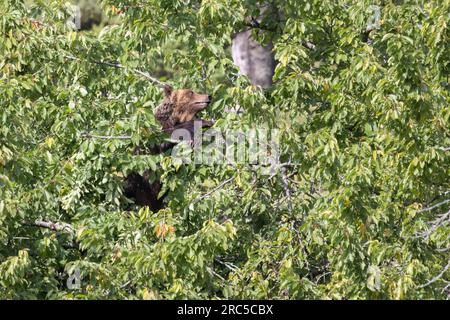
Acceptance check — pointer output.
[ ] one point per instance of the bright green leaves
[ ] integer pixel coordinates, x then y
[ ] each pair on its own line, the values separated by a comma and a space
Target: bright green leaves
189, 259
13, 271
355, 210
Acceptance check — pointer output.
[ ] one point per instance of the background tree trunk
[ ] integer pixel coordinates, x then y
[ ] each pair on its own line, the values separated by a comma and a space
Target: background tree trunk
254, 60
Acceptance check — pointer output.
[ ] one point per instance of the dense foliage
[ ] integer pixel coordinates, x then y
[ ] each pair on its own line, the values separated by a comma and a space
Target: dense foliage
358, 209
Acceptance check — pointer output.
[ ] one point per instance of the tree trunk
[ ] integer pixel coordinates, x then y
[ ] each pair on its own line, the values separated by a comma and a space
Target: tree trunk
254, 60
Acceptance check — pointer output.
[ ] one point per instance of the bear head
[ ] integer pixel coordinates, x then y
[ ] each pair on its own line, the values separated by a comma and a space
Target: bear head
180, 106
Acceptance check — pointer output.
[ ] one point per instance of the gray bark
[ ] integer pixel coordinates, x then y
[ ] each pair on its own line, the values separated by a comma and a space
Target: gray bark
254, 60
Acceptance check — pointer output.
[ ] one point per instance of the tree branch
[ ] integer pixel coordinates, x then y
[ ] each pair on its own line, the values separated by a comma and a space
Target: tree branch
55, 226
309, 45
287, 191
435, 278
88, 135
434, 206
212, 191
120, 66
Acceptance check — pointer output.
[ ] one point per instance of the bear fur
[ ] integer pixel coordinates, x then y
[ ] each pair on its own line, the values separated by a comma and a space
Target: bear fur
177, 110
143, 192
179, 106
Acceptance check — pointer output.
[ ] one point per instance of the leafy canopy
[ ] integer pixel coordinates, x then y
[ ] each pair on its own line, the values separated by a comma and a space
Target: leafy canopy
359, 209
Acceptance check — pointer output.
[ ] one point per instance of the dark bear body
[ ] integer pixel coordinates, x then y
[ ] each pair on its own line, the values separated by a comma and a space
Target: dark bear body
177, 111
142, 191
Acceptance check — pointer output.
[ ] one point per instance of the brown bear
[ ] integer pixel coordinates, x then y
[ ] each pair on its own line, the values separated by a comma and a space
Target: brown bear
177, 110
179, 106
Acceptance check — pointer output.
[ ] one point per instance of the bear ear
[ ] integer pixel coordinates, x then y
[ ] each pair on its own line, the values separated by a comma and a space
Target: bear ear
168, 91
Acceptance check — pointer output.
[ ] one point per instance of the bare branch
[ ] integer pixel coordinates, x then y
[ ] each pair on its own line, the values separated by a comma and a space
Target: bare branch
88, 135
120, 66
434, 225
228, 265
439, 221
213, 273
212, 191
55, 226
439, 276
434, 206
309, 45
287, 191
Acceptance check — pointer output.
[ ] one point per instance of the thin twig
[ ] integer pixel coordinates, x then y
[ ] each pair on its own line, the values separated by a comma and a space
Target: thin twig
434, 206
228, 265
212, 272
23, 238
212, 191
434, 225
120, 66
88, 135
286, 189
436, 278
